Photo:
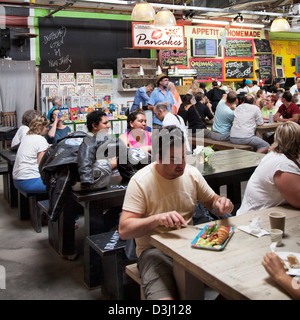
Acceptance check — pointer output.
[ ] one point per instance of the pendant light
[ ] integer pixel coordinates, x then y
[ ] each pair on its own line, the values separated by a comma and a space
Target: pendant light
164, 18
143, 11
280, 24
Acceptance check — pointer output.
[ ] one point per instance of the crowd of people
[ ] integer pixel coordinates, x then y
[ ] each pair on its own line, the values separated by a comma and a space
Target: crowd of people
164, 193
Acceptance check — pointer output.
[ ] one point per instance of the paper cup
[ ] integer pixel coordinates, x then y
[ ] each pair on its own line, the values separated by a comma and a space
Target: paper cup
277, 220
276, 236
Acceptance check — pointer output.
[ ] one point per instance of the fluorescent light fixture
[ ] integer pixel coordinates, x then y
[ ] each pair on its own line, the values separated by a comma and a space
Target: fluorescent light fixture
253, 25
223, 23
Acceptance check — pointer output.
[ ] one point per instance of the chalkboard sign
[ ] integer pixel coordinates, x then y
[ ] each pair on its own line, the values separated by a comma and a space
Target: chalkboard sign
262, 46
265, 66
213, 68
239, 48
174, 58
236, 70
81, 45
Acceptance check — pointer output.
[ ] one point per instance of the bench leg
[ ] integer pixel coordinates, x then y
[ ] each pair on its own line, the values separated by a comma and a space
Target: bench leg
35, 216
113, 270
93, 274
24, 208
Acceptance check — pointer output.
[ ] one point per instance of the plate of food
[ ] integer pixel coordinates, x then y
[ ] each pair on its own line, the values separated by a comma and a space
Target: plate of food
213, 237
291, 262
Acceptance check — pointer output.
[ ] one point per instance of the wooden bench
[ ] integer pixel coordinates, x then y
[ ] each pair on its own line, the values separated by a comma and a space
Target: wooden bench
217, 145
28, 208
133, 272
105, 262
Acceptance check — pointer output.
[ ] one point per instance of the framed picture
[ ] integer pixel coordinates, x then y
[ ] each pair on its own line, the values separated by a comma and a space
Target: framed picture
279, 72
293, 62
278, 61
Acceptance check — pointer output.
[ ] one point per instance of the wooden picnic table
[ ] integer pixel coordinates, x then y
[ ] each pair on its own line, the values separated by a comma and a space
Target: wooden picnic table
235, 272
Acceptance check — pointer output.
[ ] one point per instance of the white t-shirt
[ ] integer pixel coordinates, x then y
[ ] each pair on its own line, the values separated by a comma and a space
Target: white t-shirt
26, 166
148, 193
19, 135
246, 118
261, 192
293, 90
172, 120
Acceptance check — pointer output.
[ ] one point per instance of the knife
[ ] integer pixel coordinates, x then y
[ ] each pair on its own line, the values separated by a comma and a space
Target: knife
191, 227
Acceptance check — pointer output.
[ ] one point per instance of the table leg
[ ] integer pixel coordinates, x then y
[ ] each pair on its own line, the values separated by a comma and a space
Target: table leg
188, 286
62, 231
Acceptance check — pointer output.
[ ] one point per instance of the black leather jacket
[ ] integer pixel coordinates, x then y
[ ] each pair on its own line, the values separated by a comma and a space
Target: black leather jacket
72, 159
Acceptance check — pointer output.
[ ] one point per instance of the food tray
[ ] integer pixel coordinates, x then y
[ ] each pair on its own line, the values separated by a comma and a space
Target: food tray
215, 247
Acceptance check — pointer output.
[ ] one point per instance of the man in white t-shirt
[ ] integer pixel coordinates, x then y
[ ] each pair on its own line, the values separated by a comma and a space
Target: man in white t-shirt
169, 119
159, 197
246, 117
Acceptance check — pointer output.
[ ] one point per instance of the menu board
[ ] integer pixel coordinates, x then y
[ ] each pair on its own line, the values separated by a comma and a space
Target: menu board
239, 48
174, 58
241, 69
262, 46
213, 68
265, 66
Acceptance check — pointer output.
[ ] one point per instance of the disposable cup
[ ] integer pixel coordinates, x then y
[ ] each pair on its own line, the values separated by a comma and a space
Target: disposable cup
276, 236
277, 220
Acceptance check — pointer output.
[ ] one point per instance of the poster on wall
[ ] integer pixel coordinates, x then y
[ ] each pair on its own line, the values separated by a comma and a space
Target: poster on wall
103, 81
239, 69
146, 36
239, 48
208, 68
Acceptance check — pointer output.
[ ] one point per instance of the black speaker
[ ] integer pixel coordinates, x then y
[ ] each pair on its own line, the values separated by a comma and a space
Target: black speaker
4, 41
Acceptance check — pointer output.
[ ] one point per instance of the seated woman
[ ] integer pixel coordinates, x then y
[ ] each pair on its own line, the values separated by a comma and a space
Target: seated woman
276, 180
187, 102
137, 136
22, 131
57, 130
26, 175
198, 113
270, 103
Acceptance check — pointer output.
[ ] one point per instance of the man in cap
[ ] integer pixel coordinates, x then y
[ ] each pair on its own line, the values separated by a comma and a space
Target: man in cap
160, 95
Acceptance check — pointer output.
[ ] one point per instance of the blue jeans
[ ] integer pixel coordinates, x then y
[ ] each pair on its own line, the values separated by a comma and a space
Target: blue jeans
30, 185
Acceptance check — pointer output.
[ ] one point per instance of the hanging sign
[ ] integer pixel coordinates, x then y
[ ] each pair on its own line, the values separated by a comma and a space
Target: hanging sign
147, 36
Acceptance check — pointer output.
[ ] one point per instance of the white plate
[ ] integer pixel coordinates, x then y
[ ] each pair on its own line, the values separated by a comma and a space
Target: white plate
291, 271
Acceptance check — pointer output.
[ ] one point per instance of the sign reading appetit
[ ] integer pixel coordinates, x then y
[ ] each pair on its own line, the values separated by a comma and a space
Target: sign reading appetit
147, 36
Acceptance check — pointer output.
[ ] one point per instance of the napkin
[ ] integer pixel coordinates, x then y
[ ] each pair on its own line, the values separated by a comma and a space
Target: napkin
254, 228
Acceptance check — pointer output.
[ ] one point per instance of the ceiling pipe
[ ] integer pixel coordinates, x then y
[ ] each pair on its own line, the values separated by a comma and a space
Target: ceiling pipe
192, 8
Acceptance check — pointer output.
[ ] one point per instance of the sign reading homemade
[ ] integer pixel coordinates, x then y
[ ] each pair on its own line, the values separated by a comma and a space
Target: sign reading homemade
146, 36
